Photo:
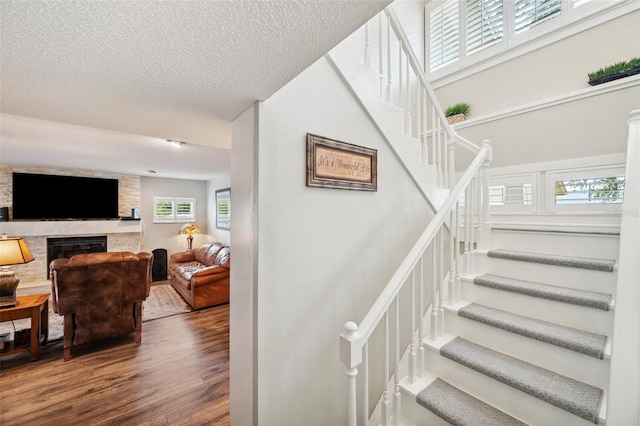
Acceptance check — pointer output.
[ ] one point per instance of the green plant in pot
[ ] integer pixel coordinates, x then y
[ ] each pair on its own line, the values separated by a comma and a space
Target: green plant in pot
615, 71
457, 112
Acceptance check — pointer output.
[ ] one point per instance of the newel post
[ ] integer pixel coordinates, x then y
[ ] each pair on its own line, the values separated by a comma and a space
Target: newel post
351, 356
485, 221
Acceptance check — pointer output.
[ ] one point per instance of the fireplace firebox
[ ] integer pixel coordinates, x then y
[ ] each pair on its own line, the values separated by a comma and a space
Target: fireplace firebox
69, 246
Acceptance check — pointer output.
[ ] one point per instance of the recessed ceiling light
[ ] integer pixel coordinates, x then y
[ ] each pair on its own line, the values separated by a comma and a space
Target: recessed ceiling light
177, 144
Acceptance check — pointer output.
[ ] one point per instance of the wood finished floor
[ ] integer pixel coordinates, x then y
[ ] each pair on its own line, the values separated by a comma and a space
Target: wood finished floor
178, 375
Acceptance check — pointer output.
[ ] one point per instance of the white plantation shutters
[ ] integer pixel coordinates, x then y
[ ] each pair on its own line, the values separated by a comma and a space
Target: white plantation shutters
529, 13
485, 24
169, 209
443, 34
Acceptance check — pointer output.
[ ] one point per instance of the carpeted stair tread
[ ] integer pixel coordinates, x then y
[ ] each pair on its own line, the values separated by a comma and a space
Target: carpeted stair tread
589, 299
576, 397
461, 409
606, 265
584, 342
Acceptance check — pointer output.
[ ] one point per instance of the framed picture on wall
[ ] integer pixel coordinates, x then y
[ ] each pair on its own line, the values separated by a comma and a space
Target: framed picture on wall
223, 209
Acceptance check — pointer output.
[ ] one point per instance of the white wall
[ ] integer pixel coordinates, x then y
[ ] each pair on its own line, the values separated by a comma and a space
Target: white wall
588, 127
165, 235
323, 256
219, 182
411, 16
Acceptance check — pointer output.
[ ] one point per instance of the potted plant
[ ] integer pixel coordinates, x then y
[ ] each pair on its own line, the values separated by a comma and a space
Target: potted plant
615, 71
457, 112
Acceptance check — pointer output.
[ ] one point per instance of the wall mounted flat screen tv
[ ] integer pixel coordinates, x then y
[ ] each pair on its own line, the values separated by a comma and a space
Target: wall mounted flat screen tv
54, 197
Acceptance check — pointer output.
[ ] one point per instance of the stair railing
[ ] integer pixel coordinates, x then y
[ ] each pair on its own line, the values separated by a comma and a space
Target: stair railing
436, 249
445, 249
624, 375
403, 84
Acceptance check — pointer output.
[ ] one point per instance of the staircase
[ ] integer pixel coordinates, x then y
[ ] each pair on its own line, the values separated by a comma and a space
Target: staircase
482, 326
529, 338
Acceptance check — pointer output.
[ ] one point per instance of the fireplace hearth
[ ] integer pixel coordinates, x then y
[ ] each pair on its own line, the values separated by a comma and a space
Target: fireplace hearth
69, 246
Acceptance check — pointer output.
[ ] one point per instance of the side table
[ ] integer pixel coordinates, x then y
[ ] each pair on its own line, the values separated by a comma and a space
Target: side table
36, 307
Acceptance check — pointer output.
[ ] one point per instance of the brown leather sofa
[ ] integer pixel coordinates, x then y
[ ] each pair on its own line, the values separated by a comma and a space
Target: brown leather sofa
201, 275
100, 295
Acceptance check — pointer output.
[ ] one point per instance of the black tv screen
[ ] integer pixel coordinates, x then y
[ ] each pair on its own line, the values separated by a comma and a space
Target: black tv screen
54, 197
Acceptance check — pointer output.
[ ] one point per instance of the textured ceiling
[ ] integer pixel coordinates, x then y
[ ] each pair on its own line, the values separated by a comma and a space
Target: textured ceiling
133, 72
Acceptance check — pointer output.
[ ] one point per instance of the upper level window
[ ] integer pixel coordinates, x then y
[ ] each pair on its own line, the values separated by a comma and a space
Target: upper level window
484, 24
443, 34
529, 13
458, 30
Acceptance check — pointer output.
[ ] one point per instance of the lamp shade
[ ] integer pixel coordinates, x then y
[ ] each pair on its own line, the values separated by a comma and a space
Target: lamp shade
14, 251
190, 228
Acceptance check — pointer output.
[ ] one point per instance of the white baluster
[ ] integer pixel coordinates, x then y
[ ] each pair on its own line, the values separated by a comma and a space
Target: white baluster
433, 136
367, 46
380, 57
440, 236
422, 332
452, 155
457, 248
423, 125
412, 331
473, 219
407, 99
467, 228
365, 384
385, 394
400, 78
486, 219
438, 130
452, 260
396, 373
389, 68
434, 291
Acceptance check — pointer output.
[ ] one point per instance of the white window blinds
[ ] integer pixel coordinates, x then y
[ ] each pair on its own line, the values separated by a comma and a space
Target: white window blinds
484, 24
529, 13
443, 34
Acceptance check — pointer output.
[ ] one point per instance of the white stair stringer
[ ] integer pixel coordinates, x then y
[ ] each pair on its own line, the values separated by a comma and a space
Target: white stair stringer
365, 85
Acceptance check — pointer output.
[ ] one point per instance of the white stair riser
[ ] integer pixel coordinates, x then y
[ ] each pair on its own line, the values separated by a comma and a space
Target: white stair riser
588, 319
581, 245
563, 361
518, 404
582, 279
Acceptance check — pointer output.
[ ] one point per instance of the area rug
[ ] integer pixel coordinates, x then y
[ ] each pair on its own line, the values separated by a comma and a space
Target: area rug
163, 301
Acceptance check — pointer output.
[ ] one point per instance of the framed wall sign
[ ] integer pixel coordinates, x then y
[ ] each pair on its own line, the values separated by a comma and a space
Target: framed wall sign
223, 209
335, 164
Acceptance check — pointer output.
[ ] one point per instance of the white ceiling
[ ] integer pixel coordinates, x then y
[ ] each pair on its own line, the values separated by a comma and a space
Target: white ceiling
101, 85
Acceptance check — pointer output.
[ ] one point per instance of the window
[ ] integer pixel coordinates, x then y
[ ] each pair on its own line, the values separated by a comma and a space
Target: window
458, 30
443, 34
589, 191
529, 13
170, 210
505, 195
484, 24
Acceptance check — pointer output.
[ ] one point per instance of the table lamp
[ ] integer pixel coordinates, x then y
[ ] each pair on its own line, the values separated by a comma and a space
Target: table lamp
190, 229
13, 251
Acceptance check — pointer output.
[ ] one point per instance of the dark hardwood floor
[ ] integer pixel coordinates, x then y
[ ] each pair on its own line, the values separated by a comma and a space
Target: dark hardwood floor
178, 375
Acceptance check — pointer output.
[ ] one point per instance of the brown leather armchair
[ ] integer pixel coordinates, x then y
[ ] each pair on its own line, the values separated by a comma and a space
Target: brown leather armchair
100, 295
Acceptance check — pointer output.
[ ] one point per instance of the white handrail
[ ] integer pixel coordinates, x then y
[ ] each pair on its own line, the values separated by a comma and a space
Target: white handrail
387, 296
423, 117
